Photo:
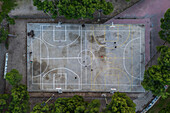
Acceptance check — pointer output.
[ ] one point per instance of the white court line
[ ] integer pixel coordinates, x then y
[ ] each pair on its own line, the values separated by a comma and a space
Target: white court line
41, 34
93, 30
124, 58
60, 58
65, 32
140, 56
53, 34
65, 69
81, 54
65, 80
54, 81
47, 54
87, 84
60, 46
32, 60
85, 57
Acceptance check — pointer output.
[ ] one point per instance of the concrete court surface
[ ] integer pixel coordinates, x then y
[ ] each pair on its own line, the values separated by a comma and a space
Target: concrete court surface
91, 58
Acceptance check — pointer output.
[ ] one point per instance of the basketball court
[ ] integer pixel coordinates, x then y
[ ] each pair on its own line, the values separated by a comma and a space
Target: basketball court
93, 57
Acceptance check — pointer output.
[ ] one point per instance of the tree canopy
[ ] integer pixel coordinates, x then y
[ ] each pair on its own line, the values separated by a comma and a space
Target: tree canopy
13, 77
74, 8
165, 27
165, 110
41, 108
120, 103
3, 34
157, 76
7, 6
76, 104
4, 98
20, 99
64, 105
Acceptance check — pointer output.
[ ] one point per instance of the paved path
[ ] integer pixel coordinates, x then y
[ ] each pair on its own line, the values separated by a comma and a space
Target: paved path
152, 9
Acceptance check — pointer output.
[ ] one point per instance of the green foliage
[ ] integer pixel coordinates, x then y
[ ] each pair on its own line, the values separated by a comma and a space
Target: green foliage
68, 105
120, 103
13, 77
73, 8
165, 110
164, 58
6, 7
3, 104
155, 78
165, 26
93, 107
3, 34
4, 96
41, 108
3, 101
20, 99
127, 0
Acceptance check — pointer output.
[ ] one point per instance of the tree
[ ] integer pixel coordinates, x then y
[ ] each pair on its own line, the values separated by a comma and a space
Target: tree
13, 77
6, 7
3, 34
41, 108
3, 104
164, 58
165, 110
20, 99
73, 8
155, 78
93, 107
165, 27
68, 105
120, 103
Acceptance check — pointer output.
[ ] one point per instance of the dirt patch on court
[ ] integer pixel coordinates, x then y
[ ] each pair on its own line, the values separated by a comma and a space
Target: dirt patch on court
74, 37
43, 65
64, 51
91, 39
36, 68
100, 39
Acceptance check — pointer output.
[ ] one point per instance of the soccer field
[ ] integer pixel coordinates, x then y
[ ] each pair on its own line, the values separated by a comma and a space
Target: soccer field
90, 58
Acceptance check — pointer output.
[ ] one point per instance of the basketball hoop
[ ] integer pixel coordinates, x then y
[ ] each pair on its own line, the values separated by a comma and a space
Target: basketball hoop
112, 90
59, 24
59, 90
112, 25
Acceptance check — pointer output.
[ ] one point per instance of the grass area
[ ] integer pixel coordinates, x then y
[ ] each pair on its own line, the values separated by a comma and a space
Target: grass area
162, 103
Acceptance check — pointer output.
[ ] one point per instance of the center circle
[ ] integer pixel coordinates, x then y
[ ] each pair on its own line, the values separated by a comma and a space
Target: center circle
87, 58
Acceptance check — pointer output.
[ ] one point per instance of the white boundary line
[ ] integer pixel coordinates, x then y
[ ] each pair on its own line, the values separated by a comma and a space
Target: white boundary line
47, 54
88, 84
140, 57
86, 48
124, 59
81, 54
54, 81
41, 34
32, 61
64, 45
85, 57
60, 58
93, 30
64, 69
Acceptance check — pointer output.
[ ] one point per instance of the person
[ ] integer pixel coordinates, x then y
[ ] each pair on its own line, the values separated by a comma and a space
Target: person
83, 25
